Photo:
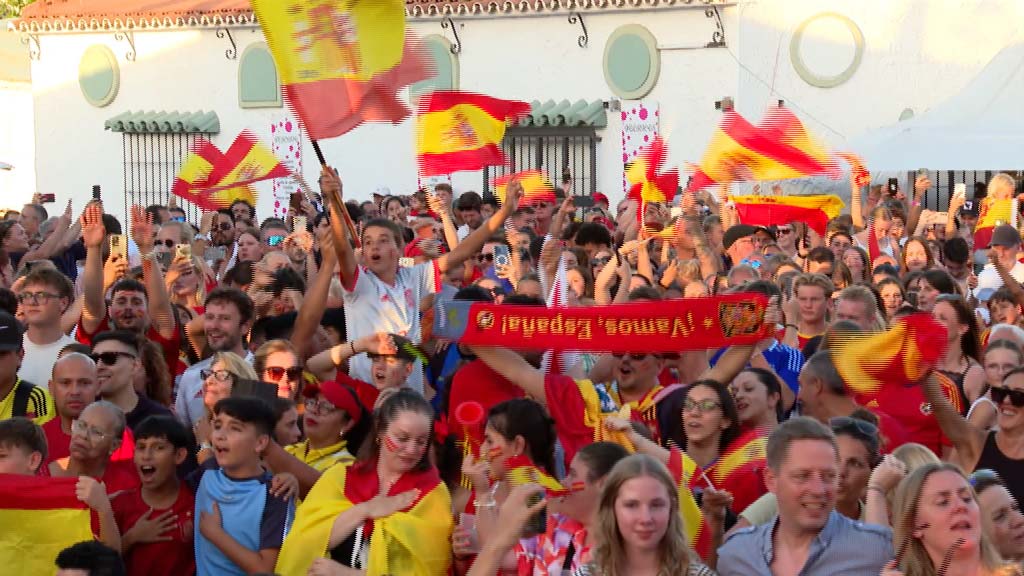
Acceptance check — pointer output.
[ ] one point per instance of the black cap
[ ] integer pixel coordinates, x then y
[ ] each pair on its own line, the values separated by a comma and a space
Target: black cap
970, 208
736, 232
406, 349
10, 332
1005, 235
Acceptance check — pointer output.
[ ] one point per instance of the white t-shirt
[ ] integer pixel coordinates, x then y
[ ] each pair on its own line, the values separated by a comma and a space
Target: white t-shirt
372, 306
37, 366
989, 276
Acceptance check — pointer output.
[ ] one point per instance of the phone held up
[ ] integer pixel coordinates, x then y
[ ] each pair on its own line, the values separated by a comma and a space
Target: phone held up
502, 256
47, 198
892, 187
96, 192
118, 247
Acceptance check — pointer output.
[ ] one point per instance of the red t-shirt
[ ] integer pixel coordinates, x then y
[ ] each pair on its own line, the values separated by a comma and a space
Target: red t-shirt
58, 444
910, 408
167, 558
169, 346
893, 433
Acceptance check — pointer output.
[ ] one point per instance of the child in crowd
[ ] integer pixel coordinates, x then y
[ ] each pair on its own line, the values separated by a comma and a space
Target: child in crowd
22, 447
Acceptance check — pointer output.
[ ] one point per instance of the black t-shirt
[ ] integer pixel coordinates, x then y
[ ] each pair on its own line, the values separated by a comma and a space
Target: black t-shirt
143, 410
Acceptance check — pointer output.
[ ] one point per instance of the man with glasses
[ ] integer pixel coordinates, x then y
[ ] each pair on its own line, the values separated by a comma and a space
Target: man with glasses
273, 232
18, 397
95, 436
116, 354
44, 297
738, 242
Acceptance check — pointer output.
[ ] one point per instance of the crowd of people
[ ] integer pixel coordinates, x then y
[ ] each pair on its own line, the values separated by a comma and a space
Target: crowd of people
246, 395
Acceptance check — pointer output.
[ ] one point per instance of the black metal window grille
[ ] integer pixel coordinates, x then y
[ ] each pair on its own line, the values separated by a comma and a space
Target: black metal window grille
551, 150
151, 161
943, 182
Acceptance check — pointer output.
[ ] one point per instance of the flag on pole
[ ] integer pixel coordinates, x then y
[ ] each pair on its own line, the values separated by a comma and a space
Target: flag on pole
41, 517
815, 210
536, 187
648, 182
213, 180
463, 131
777, 149
342, 62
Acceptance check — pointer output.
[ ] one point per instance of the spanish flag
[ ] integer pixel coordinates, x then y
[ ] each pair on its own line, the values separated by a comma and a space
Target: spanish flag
462, 131
683, 469
342, 62
777, 149
536, 187
739, 468
521, 470
905, 353
993, 213
217, 184
647, 182
815, 210
40, 517
411, 541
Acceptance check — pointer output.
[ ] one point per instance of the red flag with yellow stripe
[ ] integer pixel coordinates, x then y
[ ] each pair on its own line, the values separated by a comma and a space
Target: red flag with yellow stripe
739, 469
648, 183
993, 213
462, 131
40, 517
815, 210
683, 469
217, 184
521, 470
779, 148
904, 353
536, 187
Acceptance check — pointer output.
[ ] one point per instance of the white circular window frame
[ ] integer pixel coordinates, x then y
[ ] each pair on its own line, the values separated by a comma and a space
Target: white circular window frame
821, 80
652, 74
115, 83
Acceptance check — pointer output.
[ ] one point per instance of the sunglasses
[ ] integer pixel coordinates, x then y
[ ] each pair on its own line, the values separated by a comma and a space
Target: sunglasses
784, 231
177, 218
638, 356
277, 372
166, 242
706, 405
225, 226
109, 358
856, 425
1000, 393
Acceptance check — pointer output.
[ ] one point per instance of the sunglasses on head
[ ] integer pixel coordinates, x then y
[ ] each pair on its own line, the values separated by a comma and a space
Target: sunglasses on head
984, 476
1000, 393
856, 425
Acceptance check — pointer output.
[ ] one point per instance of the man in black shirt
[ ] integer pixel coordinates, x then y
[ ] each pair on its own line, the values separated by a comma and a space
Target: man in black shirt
117, 357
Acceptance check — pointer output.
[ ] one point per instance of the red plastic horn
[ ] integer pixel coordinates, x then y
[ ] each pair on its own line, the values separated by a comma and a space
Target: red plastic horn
469, 413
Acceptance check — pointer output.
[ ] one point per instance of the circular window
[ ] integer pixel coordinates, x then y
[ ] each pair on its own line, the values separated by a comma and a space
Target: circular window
827, 30
446, 67
631, 62
98, 75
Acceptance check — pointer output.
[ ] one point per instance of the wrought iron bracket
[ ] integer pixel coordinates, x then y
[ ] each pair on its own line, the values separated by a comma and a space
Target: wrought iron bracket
32, 41
447, 23
130, 37
230, 53
718, 36
584, 38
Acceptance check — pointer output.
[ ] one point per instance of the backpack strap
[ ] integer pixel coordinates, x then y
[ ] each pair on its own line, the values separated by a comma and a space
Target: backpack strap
22, 392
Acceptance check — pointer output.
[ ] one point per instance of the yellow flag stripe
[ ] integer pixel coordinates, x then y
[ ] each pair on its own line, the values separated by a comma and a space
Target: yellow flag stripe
459, 128
828, 203
724, 152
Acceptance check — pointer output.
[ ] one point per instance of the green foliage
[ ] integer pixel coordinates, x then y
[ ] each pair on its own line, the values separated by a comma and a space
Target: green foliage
12, 8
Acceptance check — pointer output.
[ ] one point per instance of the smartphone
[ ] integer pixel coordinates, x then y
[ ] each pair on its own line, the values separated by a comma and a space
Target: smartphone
96, 192
960, 190
214, 253
893, 186
118, 247
502, 256
47, 198
299, 224
183, 251
583, 201
538, 523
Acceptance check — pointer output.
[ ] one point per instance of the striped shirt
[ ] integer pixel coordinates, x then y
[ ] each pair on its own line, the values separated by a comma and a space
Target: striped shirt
28, 401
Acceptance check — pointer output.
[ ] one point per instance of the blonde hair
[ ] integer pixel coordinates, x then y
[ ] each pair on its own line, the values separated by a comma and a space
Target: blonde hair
235, 364
915, 455
1002, 179
610, 552
185, 231
819, 280
916, 561
259, 362
689, 269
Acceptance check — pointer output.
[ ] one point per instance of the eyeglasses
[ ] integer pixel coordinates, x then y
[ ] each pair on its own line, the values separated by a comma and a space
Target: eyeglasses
855, 425
784, 231
109, 358
319, 406
218, 375
276, 372
1000, 393
275, 240
638, 356
225, 226
177, 218
702, 407
166, 242
83, 428
36, 297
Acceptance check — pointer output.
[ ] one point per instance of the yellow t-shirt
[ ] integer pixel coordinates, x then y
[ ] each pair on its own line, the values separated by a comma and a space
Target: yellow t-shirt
39, 408
321, 458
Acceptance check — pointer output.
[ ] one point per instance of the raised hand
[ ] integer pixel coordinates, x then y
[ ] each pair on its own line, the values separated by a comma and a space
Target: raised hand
143, 228
330, 183
93, 230
92, 492
436, 205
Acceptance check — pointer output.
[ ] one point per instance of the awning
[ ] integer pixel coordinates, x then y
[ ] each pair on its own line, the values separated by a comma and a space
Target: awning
565, 113
200, 122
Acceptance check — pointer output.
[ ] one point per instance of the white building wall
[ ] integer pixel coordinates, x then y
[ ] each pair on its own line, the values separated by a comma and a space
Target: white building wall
917, 52
17, 145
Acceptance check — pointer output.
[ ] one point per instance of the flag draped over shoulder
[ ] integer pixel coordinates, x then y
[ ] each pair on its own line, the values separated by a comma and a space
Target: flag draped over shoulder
39, 518
739, 468
462, 131
413, 541
993, 213
815, 210
342, 62
213, 180
905, 353
683, 469
779, 148
536, 187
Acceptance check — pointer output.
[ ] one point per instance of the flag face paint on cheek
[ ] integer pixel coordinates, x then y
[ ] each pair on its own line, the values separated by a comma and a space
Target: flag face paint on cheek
494, 453
391, 444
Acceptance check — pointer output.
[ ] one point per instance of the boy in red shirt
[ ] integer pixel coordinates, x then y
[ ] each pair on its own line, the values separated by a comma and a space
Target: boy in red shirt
156, 518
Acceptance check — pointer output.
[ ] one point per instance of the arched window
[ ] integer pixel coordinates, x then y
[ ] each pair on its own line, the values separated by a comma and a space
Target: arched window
258, 83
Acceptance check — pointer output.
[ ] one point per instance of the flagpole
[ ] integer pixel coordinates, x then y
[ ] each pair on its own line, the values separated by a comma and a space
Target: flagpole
335, 199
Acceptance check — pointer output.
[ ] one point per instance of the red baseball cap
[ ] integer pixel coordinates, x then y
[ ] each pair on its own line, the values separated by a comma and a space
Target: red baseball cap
343, 397
599, 198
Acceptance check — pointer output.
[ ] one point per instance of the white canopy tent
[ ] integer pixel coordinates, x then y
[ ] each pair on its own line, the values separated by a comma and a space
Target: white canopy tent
980, 128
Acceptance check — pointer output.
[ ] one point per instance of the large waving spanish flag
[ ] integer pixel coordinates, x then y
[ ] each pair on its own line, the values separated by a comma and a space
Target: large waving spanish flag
648, 183
39, 517
212, 180
993, 213
536, 187
342, 62
779, 148
458, 131
815, 210
411, 541
683, 469
905, 353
